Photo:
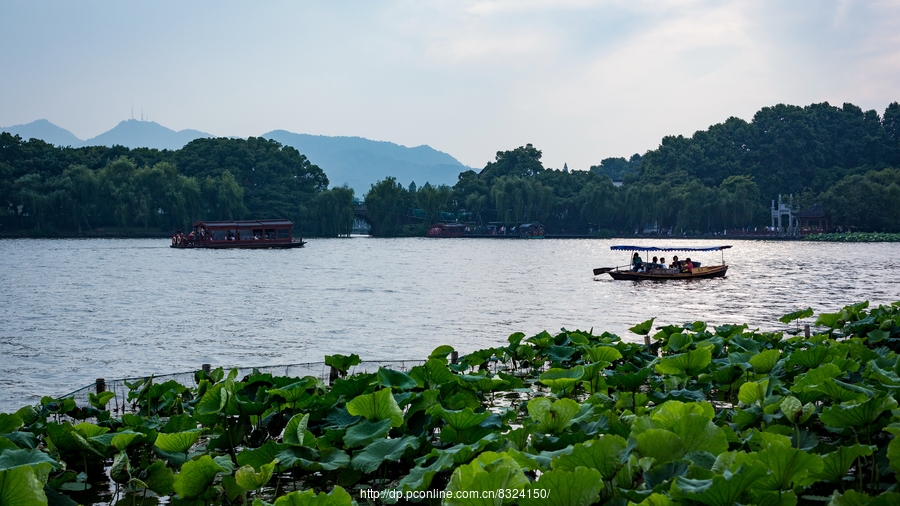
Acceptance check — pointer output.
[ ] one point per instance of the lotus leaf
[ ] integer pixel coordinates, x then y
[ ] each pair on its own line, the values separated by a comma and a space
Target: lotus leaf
100, 400
6, 444
295, 431
837, 464
563, 488
196, 476
562, 379
788, 467
854, 498
669, 412
812, 357
342, 363
660, 444
356, 385
552, 417
795, 411
679, 341
368, 460
606, 454
120, 470
89, 430
765, 361
642, 329
481, 382
365, 432
603, 354
796, 315
723, 489
379, 405
31, 457
441, 352
248, 479
754, 392
9, 423
160, 479
699, 434
858, 416
489, 472
395, 379
419, 477
259, 457
178, 442
337, 497
433, 373
296, 393
689, 363
21, 487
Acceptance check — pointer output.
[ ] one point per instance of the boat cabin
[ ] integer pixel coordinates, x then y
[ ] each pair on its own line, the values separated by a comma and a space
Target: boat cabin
238, 234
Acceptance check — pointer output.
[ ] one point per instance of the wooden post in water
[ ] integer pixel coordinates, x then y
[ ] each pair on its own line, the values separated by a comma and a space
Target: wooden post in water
454, 357
100, 385
806, 331
332, 375
206, 369
647, 341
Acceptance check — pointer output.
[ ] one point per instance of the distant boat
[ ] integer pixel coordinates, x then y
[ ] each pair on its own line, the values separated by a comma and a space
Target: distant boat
245, 234
649, 271
446, 230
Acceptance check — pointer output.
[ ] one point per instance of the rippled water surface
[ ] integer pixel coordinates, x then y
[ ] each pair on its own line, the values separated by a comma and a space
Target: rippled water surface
75, 310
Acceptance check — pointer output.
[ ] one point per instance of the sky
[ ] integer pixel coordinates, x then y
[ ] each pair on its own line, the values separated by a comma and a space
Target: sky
581, 80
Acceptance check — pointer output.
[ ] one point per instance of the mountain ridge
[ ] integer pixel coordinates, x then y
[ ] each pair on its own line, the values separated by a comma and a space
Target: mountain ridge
355, 161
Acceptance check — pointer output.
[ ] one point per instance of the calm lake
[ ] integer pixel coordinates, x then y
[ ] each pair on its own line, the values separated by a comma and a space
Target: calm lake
75, 310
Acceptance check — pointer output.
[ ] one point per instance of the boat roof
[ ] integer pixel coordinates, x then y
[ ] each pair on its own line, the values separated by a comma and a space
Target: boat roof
666, 248
244, 224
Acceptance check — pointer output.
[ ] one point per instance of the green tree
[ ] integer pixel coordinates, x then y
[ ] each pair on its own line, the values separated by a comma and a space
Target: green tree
387, 205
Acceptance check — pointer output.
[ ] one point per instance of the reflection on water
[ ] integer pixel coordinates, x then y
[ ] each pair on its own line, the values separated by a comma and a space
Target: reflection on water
75, 310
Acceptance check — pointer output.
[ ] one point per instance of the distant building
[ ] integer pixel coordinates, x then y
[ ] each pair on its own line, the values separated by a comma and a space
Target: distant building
813, 219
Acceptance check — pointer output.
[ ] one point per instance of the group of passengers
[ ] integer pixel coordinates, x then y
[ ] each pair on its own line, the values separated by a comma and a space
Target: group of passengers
677, 266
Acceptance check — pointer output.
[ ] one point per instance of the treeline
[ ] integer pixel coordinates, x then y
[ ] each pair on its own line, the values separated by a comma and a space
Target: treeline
844, 158
47, 189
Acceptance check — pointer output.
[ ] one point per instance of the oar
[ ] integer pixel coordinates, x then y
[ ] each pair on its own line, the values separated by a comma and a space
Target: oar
604, 270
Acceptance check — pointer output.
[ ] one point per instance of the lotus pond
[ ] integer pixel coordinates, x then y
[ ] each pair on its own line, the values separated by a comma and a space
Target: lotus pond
700, 415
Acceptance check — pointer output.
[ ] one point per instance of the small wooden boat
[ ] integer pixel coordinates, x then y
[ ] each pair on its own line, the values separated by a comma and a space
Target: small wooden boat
658, 273
244, 234
446, 230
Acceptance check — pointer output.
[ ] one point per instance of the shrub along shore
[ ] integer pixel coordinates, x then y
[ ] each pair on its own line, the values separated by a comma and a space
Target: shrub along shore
699, 415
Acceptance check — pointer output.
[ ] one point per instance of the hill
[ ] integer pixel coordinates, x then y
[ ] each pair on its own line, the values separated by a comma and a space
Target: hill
133, 133
46, 131
360, 162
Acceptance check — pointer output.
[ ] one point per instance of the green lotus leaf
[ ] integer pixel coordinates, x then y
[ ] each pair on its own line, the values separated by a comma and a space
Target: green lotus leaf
628, 380
816, 376
669, 412
764, 362
642, 329
796, 315
488, 472
178, 442
562, 379
795, 411
563, 488
836, 392
812, 357
854, 498
249, 479
100, 400
196, 476
829, 320
679, 341
365, 432
441, 352
122, 440
21, 487
689, 363
6, 444
432, 374
21, 439
120, 470
481, 382
753, 392
68, 440
295, 392
371, 457
342, 363
875, 336
723, 489
330, 459
9, 423
420, 477
859, 416
379, 405
160, 479
208, 409
788, 467
881, 376
295, 431
656, 499
31, 457
605, 454
552, 417
660, 444
603, 354
395, 379
258, 457
225, 463
337, 497
89, 430
699, 434
460, 419
837, 464
354, 386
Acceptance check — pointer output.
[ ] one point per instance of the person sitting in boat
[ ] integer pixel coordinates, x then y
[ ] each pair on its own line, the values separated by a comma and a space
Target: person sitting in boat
662, 263
636, 262
688, 266
675, 263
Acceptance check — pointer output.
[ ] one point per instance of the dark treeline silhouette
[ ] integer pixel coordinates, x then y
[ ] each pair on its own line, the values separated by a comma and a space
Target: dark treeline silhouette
843, 158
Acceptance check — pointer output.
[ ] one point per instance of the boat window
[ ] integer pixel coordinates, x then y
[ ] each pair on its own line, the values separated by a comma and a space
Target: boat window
218, 235
270, 233
284, 233
245, 235
258, 233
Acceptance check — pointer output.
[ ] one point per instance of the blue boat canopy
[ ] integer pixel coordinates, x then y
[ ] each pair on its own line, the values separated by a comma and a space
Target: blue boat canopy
654, 248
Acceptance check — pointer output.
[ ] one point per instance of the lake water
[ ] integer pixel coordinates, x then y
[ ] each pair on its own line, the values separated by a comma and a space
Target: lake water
75, 310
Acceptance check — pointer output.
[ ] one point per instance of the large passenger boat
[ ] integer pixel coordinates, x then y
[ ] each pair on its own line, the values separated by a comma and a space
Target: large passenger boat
248, 234
681, 269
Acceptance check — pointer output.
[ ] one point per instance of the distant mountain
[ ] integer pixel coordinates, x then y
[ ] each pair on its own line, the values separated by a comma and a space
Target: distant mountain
46, 131
360, 162
145, 134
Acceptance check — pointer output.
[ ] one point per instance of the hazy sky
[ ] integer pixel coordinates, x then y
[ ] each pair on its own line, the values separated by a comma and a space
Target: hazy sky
582, 80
